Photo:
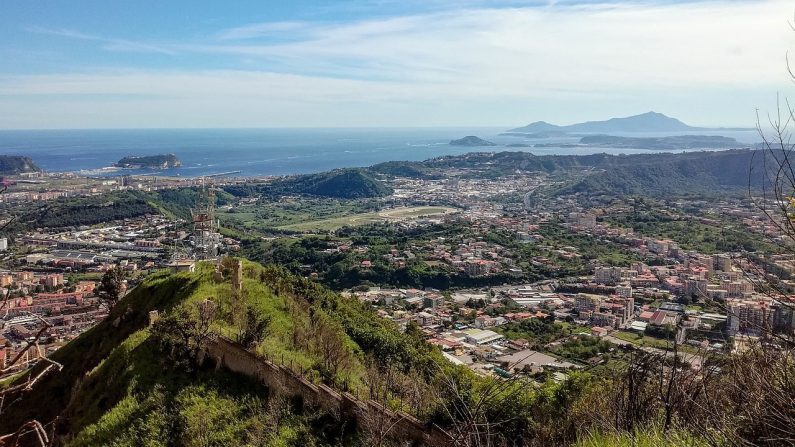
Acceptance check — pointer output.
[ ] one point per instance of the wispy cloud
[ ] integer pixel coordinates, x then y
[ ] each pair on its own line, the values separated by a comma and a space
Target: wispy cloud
108, 43
267, 29
450, 66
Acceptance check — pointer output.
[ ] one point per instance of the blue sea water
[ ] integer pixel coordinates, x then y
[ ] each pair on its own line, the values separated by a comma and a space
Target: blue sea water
258, 152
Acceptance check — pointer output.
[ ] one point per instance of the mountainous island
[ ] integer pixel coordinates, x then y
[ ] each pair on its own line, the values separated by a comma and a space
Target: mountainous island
17, 164
646, 122
677, 142
471, 141
162, 161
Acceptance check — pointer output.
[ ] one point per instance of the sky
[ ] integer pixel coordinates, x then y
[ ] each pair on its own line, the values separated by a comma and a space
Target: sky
388, 63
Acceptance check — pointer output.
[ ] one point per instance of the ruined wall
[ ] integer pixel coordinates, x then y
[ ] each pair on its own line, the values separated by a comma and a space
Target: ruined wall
345, 406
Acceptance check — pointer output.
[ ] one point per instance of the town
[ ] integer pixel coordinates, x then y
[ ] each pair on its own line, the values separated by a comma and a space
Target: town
645, 292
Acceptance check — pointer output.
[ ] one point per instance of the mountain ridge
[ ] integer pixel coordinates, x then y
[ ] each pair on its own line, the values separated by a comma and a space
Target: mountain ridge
644, 122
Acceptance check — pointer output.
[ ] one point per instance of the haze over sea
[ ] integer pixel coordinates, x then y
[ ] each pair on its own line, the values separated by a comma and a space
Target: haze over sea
260, 152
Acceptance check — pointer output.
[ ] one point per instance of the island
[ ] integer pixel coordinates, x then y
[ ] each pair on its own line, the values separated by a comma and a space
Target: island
645, 122
654, 143
471, 141
162, 161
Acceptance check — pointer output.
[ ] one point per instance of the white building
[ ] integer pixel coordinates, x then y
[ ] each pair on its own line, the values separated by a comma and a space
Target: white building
481, 337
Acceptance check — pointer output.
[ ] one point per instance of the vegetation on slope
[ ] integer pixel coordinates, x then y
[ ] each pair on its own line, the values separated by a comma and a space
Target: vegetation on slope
16, 164
124, 384
410, 169
340, 183
108, 207
116, 376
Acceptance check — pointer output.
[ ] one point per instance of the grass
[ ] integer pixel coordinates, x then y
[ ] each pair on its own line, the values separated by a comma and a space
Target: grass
650, 438
268, 215
335, 223
652, 342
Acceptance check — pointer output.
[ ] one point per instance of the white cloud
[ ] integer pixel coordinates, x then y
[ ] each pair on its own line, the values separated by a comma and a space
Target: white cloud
452, 67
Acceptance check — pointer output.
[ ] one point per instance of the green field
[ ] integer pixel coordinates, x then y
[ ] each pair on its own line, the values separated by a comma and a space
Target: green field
388, 215
652, 342
268, 215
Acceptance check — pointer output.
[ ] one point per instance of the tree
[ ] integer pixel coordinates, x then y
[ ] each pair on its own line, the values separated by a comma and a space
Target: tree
182, 332
112, 286
254, 328
330, 344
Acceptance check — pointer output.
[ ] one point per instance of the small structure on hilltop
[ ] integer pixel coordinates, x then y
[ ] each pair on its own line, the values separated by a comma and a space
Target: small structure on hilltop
237, 275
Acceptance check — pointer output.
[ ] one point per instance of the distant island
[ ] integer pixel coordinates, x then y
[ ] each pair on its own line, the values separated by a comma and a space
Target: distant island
646, 122
17, 164
471, 141
162, 161
655, 143
538, 135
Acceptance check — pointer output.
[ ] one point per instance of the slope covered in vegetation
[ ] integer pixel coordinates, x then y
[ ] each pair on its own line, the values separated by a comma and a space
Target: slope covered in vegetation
340, 183
119, 386
126, 383
15, 164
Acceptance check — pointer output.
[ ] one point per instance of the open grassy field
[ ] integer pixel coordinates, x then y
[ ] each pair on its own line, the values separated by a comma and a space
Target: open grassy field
388, 215
652, 342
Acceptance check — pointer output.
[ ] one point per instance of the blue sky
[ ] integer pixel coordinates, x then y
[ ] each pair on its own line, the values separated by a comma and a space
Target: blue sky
301, 63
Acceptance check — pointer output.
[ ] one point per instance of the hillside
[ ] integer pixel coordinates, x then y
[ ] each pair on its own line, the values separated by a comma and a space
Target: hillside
265, 364
646, 122
708, 173
409, 169
339, 183
122, 381
91, 210
15, 164
696, 172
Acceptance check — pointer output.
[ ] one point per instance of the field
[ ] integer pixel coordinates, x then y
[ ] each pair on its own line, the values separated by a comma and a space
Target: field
652, 342
269, 215
388, 215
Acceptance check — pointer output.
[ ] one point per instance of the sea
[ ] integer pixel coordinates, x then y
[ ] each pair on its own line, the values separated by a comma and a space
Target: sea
268, 152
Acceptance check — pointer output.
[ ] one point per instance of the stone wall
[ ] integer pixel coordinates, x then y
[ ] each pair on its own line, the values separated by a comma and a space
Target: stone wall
345, 406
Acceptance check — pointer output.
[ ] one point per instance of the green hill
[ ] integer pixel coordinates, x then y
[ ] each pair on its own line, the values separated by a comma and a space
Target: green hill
409, 169
339, 183
127, 383
120, 386
695, 172
706, 173
15, 164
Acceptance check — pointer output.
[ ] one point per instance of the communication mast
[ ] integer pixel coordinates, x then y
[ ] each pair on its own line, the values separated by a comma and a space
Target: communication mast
206, 238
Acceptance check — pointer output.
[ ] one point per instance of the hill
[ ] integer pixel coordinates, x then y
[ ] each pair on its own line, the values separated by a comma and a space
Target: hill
655, 174
339, 183
125, 382
163, 161
16, 164
646, 122
704, 173
410, 169
264, 360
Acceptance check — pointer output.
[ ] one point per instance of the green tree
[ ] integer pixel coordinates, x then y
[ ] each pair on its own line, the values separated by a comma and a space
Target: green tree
112, 286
